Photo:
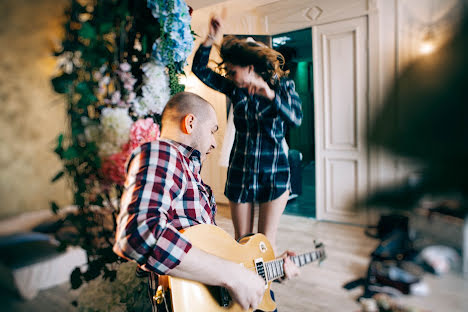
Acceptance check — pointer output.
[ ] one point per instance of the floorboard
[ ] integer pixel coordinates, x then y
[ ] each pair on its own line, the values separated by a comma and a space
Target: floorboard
319, 288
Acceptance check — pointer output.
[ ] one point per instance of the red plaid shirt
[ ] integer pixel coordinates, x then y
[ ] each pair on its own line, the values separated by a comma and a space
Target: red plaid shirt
163, 193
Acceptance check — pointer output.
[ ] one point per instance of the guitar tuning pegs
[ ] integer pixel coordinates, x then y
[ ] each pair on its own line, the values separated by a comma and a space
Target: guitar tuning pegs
321, 260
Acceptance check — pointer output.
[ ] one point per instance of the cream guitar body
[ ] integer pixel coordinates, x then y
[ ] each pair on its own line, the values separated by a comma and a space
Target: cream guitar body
253, 252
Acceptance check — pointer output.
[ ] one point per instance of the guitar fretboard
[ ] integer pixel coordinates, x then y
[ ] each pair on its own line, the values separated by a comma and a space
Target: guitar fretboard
274, 268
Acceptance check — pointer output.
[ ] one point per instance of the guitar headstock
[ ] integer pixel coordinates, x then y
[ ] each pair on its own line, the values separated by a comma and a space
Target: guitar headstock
320, 250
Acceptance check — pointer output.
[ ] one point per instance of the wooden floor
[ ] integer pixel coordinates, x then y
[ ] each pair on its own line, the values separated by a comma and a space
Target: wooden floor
318, 288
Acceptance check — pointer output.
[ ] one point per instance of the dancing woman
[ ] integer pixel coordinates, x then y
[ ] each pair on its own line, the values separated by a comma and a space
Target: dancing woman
265, 103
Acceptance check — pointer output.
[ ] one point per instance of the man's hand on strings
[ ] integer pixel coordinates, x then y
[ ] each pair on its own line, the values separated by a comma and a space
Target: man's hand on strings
290, 269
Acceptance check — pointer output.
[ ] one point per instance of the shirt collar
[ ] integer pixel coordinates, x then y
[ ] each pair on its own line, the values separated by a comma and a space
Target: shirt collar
189, 152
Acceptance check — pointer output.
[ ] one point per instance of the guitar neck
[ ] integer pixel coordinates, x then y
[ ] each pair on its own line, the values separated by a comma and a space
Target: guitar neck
274, 269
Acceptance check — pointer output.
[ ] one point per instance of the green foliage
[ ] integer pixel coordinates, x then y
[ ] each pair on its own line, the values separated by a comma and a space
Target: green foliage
58, 176
54, 207
99, 36
87, 31
63, 83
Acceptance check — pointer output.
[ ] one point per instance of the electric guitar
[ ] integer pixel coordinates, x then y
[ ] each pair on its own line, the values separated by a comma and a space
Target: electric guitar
253, 252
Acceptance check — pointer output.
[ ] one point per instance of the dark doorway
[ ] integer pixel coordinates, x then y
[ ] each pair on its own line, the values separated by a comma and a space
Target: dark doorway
296, 47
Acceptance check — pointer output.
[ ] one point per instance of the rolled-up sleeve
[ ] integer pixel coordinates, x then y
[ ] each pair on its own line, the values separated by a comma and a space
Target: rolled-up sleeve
288, 103
144, 230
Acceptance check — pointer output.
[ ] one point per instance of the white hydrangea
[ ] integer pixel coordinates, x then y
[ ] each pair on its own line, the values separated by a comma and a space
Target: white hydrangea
107, 148
92, 133
155, 92
115, 130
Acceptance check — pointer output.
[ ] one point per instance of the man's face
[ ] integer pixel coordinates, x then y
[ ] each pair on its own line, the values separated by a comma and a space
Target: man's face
204, 133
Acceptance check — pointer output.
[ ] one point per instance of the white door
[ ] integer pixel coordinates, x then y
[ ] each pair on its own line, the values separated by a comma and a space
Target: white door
341, 110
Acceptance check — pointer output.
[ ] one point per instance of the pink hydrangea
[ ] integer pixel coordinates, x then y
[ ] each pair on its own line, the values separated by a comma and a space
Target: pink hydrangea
113, 167
142, 131
125, 67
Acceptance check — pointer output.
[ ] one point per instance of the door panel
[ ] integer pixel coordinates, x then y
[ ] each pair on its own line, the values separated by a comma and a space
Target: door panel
340, 191
341, 105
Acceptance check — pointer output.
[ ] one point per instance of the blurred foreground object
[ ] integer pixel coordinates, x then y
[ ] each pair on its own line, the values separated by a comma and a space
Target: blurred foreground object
425, 118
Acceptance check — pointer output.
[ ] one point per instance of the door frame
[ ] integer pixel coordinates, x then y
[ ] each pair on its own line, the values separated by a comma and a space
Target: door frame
374, 158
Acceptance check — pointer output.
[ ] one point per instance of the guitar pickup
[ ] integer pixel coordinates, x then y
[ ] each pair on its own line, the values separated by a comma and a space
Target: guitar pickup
260, 268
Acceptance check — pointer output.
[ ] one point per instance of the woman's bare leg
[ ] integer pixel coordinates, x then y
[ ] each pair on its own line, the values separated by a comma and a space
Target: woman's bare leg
269, 217
242, 217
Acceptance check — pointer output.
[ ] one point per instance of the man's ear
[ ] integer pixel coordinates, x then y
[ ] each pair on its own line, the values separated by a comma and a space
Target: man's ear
188, 123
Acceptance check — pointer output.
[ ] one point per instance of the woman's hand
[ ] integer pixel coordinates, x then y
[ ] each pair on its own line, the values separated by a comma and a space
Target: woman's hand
214, 27
260, 87
290, 269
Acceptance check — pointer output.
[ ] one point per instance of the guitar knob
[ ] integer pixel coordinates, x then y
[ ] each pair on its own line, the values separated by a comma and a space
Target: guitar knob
263, 247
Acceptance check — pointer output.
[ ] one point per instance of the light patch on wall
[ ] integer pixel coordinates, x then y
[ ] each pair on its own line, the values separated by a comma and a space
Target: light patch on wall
427, 44
189, 81
425, 26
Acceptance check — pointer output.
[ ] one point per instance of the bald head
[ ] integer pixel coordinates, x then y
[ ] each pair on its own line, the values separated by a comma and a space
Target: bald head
182, 104
191, 120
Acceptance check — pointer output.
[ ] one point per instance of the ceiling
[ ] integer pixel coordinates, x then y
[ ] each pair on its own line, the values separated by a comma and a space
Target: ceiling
199, 4
245, 4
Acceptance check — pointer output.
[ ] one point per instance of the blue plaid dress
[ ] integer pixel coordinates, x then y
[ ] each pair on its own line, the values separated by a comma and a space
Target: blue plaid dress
258, 165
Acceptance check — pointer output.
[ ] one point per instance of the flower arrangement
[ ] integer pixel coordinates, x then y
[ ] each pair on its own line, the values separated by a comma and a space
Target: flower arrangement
177, 43
155, 91
120, 138
118, 64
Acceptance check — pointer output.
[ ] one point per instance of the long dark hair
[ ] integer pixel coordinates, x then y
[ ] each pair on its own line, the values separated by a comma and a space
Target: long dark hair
267, 62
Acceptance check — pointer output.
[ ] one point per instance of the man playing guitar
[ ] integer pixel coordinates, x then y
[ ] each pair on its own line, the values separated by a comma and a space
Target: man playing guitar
164, 193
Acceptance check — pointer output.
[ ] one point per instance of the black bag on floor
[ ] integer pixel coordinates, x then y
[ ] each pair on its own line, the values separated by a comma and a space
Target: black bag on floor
387, 224
384, 272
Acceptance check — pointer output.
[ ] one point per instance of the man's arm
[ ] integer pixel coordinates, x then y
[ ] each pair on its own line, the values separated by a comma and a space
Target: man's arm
245, 286
145, 233
144, 227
